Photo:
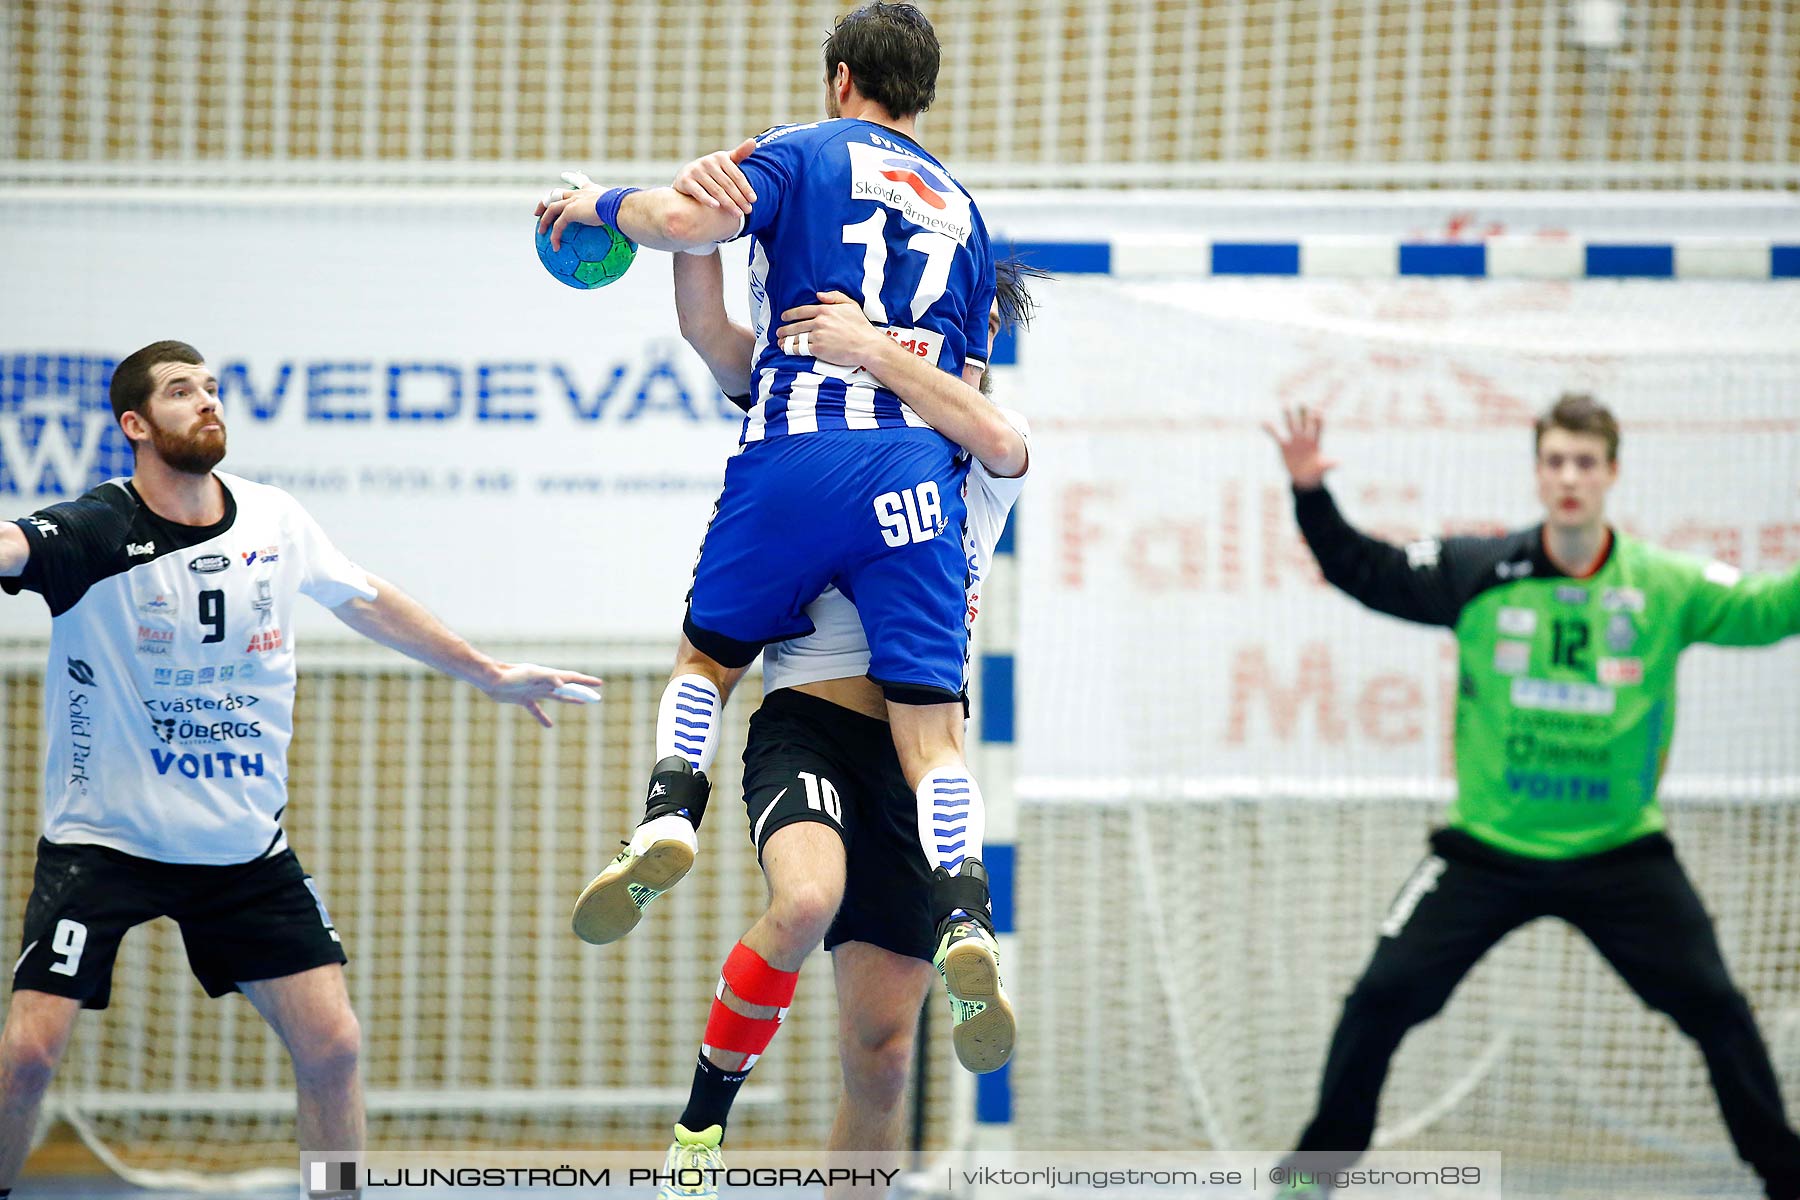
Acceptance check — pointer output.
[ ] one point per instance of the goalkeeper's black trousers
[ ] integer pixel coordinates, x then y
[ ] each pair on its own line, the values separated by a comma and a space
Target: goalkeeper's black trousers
1637, 907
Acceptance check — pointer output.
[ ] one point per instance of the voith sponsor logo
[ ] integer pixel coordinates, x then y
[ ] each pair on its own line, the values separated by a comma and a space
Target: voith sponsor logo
217, 764
1558, 788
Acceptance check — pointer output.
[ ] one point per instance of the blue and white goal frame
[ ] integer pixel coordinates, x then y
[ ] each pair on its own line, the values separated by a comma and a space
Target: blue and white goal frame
1535, 257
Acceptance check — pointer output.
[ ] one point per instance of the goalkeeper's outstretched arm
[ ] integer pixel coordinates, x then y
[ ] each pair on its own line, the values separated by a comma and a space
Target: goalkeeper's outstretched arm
1726, 607
1427, 582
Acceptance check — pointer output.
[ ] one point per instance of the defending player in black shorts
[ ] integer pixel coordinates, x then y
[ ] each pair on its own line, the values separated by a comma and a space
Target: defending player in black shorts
168, 705
812, 759
834, 822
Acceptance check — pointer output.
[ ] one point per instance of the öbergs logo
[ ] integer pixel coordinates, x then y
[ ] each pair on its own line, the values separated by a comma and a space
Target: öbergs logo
209, 564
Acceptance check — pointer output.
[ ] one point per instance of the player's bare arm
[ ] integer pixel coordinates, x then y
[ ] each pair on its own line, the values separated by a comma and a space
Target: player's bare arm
715, 180
726, 347
1298, 439
401, 623
660, 218
836, 331
15, 551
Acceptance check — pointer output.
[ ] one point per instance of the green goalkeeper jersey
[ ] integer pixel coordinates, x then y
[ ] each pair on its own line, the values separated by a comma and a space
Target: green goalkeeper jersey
1566, 692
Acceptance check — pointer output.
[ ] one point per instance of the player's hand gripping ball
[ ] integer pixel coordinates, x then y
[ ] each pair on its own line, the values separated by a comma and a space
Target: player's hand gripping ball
592, 256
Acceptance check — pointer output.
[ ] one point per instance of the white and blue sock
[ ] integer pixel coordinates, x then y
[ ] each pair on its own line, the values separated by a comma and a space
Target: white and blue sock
952, 820
687, 724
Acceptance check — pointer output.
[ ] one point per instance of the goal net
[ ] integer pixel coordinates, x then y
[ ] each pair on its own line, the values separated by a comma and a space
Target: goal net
1228, 769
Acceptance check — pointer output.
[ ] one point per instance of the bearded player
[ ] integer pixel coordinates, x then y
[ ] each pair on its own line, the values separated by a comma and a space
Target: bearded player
168, 706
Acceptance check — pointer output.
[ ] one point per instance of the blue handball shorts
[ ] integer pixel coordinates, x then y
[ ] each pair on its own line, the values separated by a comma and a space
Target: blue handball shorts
877, 513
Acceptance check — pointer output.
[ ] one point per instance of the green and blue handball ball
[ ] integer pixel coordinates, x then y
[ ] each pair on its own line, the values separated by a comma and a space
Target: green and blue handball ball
592, 256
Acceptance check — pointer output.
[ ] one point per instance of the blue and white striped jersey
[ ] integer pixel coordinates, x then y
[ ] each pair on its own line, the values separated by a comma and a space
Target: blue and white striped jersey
855, 207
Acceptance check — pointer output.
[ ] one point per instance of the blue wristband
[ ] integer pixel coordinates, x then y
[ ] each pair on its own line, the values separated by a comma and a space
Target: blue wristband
608, 205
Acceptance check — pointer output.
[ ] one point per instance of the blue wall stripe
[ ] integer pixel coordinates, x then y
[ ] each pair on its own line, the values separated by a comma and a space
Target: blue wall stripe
1443, 260
1006, 349
997, 699
993, 1097
1647, 262
1784, 262
1000, 859
1068, 258
1256, 258
1006, 544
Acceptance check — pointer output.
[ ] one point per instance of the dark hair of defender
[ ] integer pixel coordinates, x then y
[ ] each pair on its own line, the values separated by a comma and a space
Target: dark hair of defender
130, 389
1579, 412
1012, 276
892, 53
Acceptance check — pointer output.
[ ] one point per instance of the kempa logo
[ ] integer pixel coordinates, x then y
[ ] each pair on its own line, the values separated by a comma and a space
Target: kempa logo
133, 549
81, 673
57, 432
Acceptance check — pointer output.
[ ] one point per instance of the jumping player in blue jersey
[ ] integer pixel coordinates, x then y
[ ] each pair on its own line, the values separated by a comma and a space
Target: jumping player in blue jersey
837, 482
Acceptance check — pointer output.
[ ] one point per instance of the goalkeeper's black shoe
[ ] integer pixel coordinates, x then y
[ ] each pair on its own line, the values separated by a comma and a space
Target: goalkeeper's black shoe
659, 854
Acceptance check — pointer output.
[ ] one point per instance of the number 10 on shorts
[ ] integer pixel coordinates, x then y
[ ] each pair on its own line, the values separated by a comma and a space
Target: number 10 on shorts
913, 515
822, 796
